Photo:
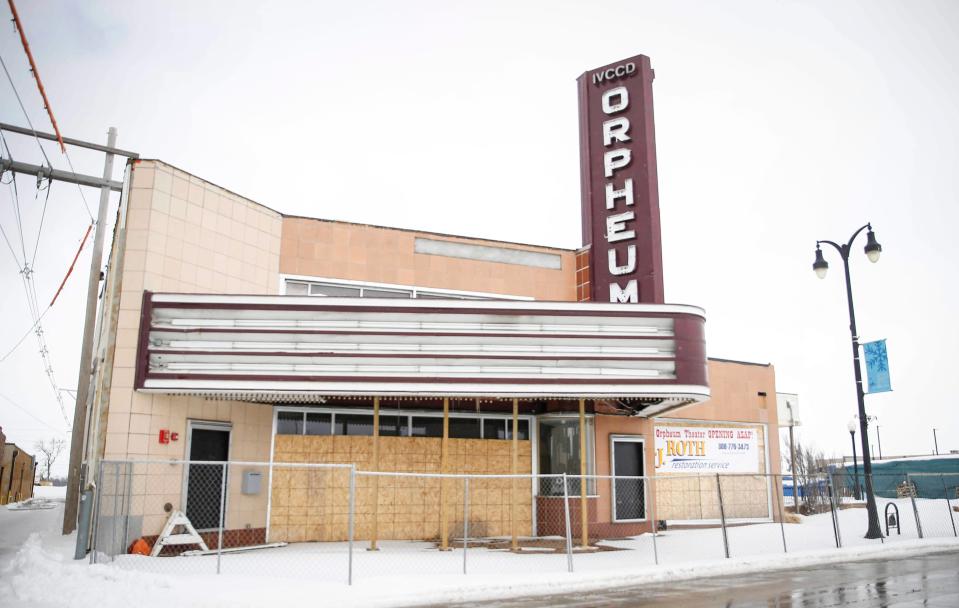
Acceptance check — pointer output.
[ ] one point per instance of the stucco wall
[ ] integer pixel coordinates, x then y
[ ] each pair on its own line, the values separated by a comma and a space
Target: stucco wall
382, 255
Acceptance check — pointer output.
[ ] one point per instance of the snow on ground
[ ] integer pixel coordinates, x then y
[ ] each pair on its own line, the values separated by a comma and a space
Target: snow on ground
50, 492
41, 572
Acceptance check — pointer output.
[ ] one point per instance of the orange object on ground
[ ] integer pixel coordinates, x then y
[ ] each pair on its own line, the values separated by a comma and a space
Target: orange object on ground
140, 547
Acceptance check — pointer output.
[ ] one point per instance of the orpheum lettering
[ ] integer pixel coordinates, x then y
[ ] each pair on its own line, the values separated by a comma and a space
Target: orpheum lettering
619, 195
619, 191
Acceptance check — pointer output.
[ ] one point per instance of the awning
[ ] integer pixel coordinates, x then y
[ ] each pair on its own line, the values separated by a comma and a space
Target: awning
298, 348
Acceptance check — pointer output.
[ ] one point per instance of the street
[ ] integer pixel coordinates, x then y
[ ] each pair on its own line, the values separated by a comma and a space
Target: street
931, 581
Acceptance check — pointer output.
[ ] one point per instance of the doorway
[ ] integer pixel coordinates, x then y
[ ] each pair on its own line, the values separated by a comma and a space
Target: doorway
629, 495
207, 441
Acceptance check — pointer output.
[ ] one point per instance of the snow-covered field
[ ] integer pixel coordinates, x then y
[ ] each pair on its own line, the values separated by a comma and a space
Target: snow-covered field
39, 571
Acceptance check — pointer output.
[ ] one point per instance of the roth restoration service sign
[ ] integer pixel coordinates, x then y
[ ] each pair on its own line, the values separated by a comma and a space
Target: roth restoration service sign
703, 449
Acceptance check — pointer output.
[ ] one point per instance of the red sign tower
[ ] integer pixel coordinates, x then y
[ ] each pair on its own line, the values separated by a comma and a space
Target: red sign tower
620, 197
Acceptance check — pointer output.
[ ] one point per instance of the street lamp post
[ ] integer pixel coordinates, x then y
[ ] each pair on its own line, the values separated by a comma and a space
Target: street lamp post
879, 439
935, 441
855, 465
872, 250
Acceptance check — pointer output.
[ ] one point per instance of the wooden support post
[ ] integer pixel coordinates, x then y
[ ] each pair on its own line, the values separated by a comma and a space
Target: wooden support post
514, 469
583, 507
444, 464
376, 480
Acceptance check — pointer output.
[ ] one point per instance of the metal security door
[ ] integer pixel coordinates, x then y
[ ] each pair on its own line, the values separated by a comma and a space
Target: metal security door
208, 442
629, 495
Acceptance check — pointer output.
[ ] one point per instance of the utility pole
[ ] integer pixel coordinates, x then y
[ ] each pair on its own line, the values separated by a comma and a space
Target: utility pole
75, 477
106, 185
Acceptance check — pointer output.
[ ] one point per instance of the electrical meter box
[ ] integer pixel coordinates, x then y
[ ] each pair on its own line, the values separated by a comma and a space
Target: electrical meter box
251, 482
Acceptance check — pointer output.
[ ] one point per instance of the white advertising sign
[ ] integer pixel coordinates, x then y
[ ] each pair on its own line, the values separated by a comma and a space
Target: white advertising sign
703, 449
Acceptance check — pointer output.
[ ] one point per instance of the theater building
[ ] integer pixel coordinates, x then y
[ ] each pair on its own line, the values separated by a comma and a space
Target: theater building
230, 331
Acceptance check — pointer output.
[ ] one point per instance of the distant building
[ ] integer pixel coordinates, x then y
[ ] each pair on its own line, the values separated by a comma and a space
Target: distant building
17, 471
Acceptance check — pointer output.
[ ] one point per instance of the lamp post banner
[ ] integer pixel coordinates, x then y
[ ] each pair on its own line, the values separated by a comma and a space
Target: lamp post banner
877, 366
620, 196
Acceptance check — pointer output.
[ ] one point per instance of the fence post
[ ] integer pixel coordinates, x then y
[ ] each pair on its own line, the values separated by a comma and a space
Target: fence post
782, 514
95, 525
652, 515
466, 518
127, 499
915, 509
116, 496
219, 539
722, 513
349, 568
569, 534
833, 514
945, 493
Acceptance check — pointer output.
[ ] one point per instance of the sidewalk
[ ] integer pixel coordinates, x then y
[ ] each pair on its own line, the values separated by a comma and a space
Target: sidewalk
41, 573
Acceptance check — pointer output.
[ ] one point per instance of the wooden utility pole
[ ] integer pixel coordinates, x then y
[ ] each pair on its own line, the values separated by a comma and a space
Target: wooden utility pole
106, 184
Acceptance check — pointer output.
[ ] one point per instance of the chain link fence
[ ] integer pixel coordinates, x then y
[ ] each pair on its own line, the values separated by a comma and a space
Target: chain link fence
332, 522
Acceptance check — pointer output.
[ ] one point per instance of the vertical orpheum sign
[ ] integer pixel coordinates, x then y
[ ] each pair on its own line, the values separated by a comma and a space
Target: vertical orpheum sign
620, 198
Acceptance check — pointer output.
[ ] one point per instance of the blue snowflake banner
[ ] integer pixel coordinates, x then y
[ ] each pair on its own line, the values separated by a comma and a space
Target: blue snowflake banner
877, 366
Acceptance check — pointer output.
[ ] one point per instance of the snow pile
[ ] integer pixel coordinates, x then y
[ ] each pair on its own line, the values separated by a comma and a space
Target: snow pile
41, 572
36, 577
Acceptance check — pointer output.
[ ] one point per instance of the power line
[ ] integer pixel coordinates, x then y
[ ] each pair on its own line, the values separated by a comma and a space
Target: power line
24, 109
30, 291
24, 337
29, 413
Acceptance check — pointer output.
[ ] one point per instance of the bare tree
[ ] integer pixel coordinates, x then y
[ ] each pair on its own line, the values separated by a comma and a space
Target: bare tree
811, 466
49, 452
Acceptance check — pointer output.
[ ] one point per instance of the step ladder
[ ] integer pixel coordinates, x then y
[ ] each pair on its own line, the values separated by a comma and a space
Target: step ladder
167, 537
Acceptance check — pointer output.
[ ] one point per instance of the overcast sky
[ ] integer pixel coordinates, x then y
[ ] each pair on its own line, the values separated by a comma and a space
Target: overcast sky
777, 123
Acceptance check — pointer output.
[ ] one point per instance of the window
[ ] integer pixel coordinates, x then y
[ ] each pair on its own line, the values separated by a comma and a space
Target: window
353, 424
321, 289
318, 423
494, 428
559, 453
522, 430
387, 293
498, 428
295, 288
289, 423
463, 428
424, 426
393, 426
356, 289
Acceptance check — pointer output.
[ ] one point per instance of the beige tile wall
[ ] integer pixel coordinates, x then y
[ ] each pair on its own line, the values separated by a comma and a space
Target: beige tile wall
190, 236
313, 504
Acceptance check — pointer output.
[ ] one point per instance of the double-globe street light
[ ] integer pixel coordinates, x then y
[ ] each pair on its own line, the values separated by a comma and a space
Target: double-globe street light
872, 249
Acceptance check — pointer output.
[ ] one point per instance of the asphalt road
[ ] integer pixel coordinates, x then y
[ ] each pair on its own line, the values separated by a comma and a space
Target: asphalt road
931, 581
